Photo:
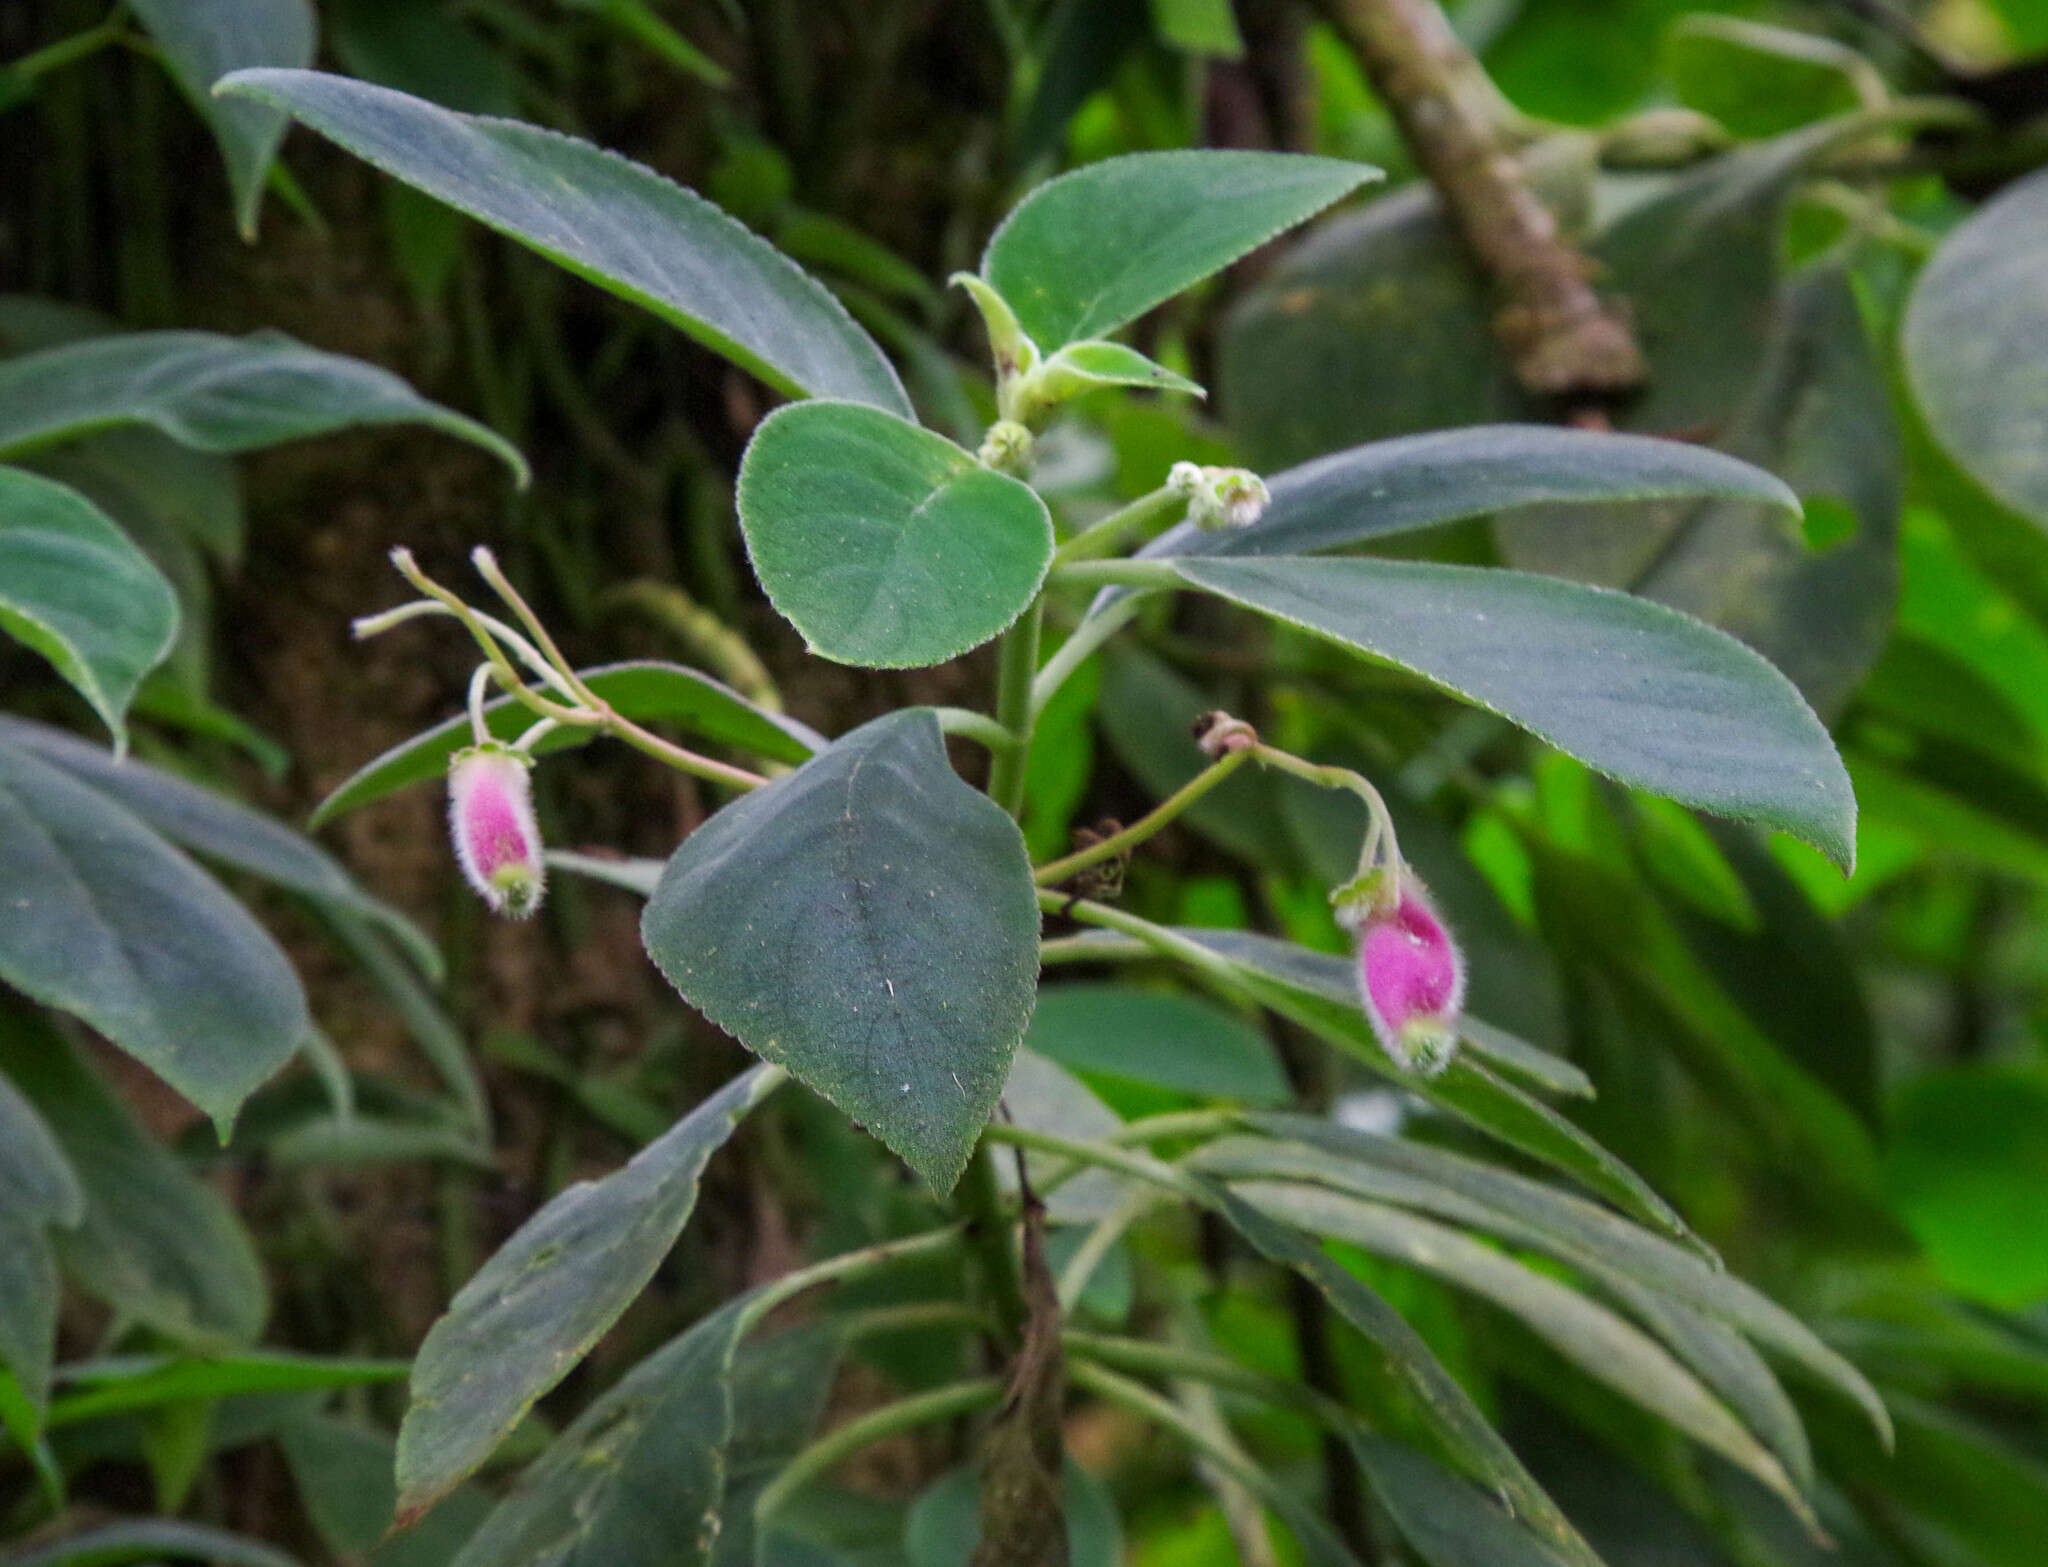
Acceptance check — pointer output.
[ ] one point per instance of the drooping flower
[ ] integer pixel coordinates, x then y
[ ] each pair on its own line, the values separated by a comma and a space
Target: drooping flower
1411, 975
497, 841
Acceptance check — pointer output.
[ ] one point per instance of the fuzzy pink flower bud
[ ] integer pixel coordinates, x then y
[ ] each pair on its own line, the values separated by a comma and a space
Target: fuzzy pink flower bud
490, 812
1411, 975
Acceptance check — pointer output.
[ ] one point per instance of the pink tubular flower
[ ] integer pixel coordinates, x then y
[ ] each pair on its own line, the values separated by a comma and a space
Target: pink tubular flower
490, 812
1411, 975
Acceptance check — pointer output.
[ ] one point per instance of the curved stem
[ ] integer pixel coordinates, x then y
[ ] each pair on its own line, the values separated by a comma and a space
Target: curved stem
842, 1441
1153, 821
1109, 534
847, 1265
974, 726
1087, 637
1108, 1230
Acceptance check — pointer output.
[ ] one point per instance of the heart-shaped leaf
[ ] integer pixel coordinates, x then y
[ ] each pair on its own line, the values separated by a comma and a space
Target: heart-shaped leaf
105, 920
550, 1292
1972, 341
212, 393
884, 544
1647, 695
1086, 252
622, 226
76, 590
201, 41
867, 921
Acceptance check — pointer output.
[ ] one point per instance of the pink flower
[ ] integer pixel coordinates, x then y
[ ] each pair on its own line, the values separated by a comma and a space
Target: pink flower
1411, 975
490, 812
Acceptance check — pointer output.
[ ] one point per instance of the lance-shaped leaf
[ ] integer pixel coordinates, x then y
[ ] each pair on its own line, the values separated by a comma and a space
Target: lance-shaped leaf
37, 1190
869, 922
607, 219
76, 590
213, 393
1419, 481
550, 1292
201, 41
1085, 253
1449, 1522
105, 920
884, 544
218, 829
1645, 694
640, 690
155, 1243
1972, 341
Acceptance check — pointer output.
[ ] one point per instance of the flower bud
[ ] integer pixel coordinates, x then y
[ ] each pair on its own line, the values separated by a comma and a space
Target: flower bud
1411, 975
490, 812
1220, 497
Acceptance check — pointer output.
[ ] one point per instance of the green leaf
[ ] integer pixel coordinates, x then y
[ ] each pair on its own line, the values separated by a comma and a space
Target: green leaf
869, 922
1971, 336
217, 828
1528, 1213
1085, 253
1418, 481
105, 920
200, 42
1093, 362
1199, 27
1043, 1096
28, 1310
1449, 1522
611, 221
1818, 413
1966, 1162
639, 1475
1647, 695
213, 393
1160, 1037
642, 690
127, 1384
77, 591
1601, 1343
550, 1293
156, 1244
884, 544
150, 1540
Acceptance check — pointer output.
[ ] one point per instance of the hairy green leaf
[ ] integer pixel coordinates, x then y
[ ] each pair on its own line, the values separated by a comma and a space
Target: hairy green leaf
609, 220
884, 544
869, 922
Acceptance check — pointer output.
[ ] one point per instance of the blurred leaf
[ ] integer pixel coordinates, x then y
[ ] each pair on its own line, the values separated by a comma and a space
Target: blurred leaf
107, 921
869, 922
37, 1190
1156, 1036
73, 588
1084, 41
1449, 1522
1757, 80
548, 1294
779, 1387
608, 220
343, 1474
944, 1525
94, 1389
219, 829
1086, 252
212, 393
151, 1539
156, 1244
1043, 1096
1599, 1342
1199, 27
1976, 309
420, 47
1966, 1163
201, 41
1647, 695
884, 544
642, 690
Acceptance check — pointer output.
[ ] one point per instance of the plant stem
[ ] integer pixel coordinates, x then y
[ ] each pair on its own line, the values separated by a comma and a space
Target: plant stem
1153, 821
1150, 1358
1017, 666
1219, 970
842, 1441
1093, 631
1110, 534
25, 71
1095, 1246
847, 1265
975, 726
1143, 1166
1119, 573
979, 1202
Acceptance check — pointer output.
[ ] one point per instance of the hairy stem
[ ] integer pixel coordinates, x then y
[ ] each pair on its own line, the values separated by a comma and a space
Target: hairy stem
843, 1441
1017, 665
1156, 820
